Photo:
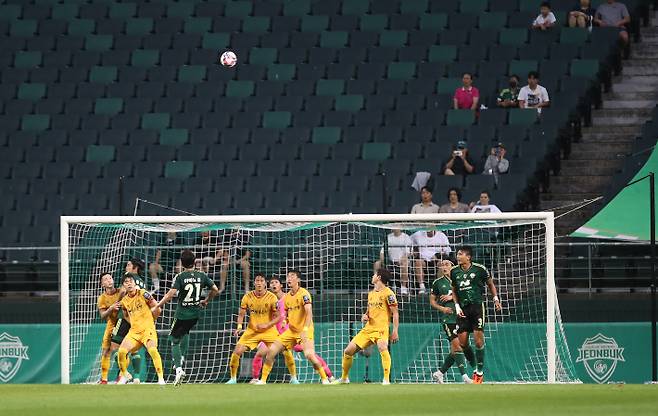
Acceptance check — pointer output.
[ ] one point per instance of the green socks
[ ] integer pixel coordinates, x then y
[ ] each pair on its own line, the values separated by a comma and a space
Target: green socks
461, 362
447, 363
469, 355
136, 361
176, 351
479, 357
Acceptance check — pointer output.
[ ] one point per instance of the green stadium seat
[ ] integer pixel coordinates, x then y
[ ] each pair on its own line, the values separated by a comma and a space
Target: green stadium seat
376, 151
256, 24
215, 41
443, 53
10, 12
326, 135
262, 56
336, 39
81, 27
435, 21
522, 66
192, 73
239, 88
355, 7
281, 72
529, 5
178, 169
143, 58
401, 70
492, 20
297, 7
448, 85
27, 59
393, 38
173, 137
351, 103
103, 74
155, 121
588, 68
139, 26
373, 22
108, 106
35, 122
122, 10
574, 35
522, 117
513, 36
99, 43
314, 23
330, 87
413, 7
100, 153
23, 28
197, 25
460, 117
238, 8
65, 11
180, 9
32, 92
277, 119
473, 6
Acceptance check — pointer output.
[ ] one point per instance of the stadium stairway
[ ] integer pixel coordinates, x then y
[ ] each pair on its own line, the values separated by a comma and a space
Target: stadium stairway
599, 154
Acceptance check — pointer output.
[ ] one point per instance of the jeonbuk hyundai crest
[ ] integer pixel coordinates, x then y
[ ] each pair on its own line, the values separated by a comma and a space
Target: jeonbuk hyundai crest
12, 354
600, 355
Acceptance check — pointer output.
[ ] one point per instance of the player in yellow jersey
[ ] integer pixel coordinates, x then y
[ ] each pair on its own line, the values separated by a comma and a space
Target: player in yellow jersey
382, 306
108, 307
299, 311
137, 304
263, 316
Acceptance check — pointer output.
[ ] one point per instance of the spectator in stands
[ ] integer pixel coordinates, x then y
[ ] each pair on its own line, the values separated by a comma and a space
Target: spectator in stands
496, 163
508, 97
399, 246
453, 205
614, 14
484, 205
582, 15
459, 163
221, 249
467, 96
430, 247
533, 95
425, 206
546, 19
167, 259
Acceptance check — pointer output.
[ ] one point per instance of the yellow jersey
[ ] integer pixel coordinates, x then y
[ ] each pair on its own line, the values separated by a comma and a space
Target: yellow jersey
260, 308
379, 308
139, 311
296, 314
105, 301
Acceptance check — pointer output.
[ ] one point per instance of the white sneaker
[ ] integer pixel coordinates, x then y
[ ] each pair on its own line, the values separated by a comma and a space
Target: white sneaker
386, 383
122, 380
341, 381
253, 381
232, 381
404, 290
325, 381
294, 380
161, 382
136, 380
466, 379
332, 379
438, 376
180, 373
260, 383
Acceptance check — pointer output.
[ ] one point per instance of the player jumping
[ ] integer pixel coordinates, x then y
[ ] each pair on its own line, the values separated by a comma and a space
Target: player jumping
468, 281
299, 311
108, 307
441, 300
137, 306
263, 316
190, 283
382, 306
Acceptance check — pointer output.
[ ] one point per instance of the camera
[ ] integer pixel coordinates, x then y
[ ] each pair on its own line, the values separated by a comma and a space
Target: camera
458, 153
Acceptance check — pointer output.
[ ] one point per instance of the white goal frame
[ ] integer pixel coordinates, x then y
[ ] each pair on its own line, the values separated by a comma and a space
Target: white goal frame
545, 217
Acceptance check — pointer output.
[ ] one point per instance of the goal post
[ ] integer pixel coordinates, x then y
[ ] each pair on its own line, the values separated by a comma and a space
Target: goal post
336, 254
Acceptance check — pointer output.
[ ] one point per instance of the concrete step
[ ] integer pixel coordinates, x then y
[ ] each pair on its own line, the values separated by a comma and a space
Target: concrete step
589, 169
614, 122
630, 96
610, 148
623, 112
593, 156
573, 184
607, 163
646, 68
625, 79
644, 54
630, 86
621, 130
606, 137
559, 196
628, 104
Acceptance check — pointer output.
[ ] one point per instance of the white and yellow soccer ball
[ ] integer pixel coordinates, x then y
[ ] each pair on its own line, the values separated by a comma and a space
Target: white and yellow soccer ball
228, 59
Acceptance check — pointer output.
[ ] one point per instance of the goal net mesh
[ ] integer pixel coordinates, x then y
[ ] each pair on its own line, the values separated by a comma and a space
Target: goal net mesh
336, 260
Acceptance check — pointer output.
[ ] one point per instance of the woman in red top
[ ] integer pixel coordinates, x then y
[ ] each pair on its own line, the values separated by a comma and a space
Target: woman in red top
467, 96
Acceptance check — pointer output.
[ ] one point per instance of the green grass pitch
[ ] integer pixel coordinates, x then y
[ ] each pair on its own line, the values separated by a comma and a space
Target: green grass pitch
344, 400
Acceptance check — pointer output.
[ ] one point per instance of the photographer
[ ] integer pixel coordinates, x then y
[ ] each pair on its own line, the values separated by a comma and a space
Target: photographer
496, 163
459, 163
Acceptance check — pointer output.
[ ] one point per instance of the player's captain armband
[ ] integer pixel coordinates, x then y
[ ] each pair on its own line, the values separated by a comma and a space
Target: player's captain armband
147, 296
391, 300
306, 299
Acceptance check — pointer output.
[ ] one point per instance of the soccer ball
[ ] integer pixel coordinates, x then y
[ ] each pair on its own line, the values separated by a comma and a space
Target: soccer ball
228, 59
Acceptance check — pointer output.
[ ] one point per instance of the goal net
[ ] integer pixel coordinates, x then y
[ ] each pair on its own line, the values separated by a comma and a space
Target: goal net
336, 256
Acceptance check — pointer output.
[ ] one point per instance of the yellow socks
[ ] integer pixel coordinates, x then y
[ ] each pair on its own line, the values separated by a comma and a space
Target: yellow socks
267, 369
122, 358
386, 364
157, 361
105, 366
234, 365
321, 372
290, 363
347, 364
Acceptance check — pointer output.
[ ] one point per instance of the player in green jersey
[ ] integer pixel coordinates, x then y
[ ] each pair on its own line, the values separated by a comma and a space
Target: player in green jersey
441, 300
190, 283
468, 282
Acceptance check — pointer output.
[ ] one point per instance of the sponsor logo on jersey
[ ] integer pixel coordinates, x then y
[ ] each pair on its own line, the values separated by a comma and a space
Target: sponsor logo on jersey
12, 354
600, 356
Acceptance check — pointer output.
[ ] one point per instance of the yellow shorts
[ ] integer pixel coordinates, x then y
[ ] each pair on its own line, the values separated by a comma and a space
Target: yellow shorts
251, 338
143, 337
107, 337
370, 336
291, 338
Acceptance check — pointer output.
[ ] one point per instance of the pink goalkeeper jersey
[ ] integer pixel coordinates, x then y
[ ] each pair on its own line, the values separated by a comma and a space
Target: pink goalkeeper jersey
283, 325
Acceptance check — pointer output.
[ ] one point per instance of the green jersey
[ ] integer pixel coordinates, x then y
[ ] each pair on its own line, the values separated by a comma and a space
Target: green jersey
511, 94
470, 283
442, 286
189, 284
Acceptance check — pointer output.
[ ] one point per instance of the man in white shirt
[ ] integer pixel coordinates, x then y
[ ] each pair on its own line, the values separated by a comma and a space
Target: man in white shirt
484, 205
399, 248
430, 246
533, 95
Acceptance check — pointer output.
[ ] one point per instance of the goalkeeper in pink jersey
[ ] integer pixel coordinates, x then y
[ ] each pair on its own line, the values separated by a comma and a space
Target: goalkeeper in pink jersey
257, 364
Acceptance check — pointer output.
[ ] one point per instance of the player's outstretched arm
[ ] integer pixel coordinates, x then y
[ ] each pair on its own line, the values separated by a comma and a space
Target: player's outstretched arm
396, 323
167, 297
153, 304
494, 292
214, 291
